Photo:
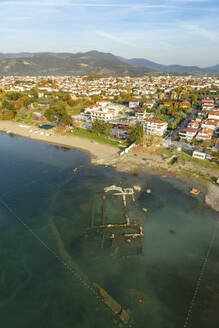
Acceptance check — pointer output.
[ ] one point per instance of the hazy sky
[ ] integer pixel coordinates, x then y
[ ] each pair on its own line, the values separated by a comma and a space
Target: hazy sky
165, 31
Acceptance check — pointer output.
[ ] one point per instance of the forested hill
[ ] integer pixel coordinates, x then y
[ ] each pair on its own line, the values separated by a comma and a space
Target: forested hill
90, 63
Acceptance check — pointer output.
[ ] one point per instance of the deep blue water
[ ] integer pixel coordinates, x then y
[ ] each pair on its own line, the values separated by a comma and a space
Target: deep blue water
49, 260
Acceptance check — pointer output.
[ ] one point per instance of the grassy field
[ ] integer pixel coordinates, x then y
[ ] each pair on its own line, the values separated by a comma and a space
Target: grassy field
98, 138
195, 169
197, 174
26, 120
165, 152
76, 110
184, 158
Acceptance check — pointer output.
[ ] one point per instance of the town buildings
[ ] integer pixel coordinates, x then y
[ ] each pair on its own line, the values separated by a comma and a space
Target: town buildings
148, 95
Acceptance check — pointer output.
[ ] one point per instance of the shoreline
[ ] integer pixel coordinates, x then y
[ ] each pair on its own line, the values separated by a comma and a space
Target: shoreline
99, 153
136, 164
103, 154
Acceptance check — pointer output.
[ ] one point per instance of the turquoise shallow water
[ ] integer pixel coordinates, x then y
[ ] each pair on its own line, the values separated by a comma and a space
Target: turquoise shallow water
46, 273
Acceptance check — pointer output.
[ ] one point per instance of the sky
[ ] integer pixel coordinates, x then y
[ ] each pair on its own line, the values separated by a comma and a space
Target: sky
182, 32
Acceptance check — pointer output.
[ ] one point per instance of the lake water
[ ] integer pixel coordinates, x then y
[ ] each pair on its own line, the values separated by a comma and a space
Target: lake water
49, 260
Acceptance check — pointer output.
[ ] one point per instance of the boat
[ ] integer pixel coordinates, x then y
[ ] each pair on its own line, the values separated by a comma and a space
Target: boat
194, 191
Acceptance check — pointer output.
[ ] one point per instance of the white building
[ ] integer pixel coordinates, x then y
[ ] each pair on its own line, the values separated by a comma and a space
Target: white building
140, 114
204, 134
210, 124
103, 103
207, 104
149, 103
188, 133
97, 112
101, 115
214, 115
198, 154
134, 103
155, 127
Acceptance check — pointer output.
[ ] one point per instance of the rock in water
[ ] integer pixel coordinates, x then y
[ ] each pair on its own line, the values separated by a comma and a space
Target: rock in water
212, 197
114, 306
108, 300
137, 188
124, 316
139, 297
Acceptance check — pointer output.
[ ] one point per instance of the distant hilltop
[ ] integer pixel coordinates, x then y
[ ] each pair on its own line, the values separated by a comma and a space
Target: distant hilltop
88, 63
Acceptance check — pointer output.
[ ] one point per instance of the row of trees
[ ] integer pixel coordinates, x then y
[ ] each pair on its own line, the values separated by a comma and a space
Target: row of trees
101, 127
104, 128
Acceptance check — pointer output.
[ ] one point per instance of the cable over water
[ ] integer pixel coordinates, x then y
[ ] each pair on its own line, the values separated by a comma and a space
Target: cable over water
200, 277
68, 263
64, 263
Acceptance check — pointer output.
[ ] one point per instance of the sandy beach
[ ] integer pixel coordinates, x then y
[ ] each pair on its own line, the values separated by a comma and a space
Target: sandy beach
102, 154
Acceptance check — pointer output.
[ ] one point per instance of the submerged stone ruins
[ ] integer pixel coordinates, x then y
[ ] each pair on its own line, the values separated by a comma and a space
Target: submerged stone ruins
125, 234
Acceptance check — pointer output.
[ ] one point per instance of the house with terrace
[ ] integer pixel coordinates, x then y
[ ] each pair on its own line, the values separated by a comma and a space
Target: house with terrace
156, 127
188, 133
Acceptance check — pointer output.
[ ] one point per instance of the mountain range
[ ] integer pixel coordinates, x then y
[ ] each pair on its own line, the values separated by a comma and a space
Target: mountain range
171, 68
88, 63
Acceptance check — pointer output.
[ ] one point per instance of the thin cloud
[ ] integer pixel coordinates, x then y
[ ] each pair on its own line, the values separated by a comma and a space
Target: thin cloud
115, 38
35, 3
86, 4
196, 29
193, 1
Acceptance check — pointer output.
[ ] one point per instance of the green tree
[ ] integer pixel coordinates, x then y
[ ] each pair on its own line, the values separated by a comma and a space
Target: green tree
178, 91
107, 129
97, 126
215, 154
13, 95
136, 133
171, 109
100, 127
194, 99
58, 112
34, 93
8, 105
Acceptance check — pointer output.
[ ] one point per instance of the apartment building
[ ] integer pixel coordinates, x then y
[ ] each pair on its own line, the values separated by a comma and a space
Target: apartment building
210, 124
188, 133
214, 115
133, 103
155, 127
204, 134
140, 114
